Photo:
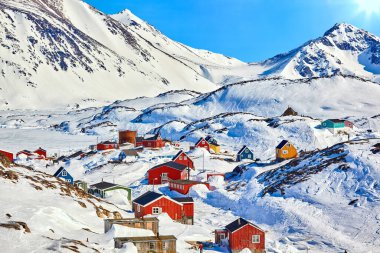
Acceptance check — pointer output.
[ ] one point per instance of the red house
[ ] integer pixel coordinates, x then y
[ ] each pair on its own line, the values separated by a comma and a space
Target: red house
41, 152
153, 203
106, 145
183, 186
161, 174
139, 141
202, 143
242, 234
153, 142
182, 158
7, 155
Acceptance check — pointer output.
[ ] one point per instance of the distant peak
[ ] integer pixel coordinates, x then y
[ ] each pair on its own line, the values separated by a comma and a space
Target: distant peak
341, 28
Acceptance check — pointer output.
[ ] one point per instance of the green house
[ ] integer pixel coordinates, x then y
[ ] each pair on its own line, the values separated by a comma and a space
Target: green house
333, 123
106, 189
81, 184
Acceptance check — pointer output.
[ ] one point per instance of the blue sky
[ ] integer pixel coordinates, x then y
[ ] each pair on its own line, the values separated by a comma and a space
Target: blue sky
250, 30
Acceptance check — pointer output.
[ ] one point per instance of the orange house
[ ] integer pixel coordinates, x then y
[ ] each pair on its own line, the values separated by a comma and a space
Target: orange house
286, 150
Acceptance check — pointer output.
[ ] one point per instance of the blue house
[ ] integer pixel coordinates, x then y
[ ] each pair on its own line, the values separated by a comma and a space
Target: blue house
244, 153
64, 175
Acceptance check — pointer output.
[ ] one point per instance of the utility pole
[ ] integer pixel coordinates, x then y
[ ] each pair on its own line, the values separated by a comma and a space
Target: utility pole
203, 161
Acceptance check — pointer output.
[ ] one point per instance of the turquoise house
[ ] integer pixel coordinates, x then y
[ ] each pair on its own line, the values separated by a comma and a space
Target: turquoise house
333, 123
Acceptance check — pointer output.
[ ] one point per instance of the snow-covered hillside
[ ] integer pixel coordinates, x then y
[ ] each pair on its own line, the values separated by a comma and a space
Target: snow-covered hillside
58, 53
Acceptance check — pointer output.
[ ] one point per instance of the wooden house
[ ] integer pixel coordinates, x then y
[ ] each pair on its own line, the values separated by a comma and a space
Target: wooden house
161, 174
127, 136
41, 152
107, 145
202, 143
156, 244
213, 144
106, 189
81, 185
182, 158
139, 141
7, 155
154, 141
149, 223
242, 234
244, 153
63, 174
25, 153
153, 203
183, 186
286, 150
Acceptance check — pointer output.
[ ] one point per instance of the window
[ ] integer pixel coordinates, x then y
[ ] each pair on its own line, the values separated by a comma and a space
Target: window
152, 246
203, 142
255, 238
165, 245
285, 152
250, 156
222, 236
68, 180
138, 208
246, 151
180, 158
156, 210
164, 176
64, 173
185, 158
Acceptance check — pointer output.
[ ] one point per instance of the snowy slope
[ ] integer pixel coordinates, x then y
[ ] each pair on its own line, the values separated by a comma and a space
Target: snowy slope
58, 53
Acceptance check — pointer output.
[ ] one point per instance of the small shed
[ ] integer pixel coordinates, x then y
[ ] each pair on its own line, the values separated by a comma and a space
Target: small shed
81, 185
63, 174
202, 143
105, 189
41, 152
159, 244
244, 153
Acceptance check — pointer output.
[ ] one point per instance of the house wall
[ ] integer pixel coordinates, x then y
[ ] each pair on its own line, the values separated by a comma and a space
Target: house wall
67, 177
145, 246
242, 238
217, 235
7, 155
41, 152
173, 209
172, 174
245, 155
128, 191
153, 143
143, 224
204, 144
215, 148
188, 211
101, 146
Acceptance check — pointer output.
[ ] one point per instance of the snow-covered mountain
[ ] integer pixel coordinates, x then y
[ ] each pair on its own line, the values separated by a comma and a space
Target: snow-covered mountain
343, 49
57, 53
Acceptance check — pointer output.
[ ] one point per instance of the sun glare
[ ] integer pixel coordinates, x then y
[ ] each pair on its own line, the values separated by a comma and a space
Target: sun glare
368, 7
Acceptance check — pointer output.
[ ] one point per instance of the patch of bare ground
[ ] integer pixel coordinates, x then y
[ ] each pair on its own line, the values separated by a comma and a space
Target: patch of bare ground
16, 225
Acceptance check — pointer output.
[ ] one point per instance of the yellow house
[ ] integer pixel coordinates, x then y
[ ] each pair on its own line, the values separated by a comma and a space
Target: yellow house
215, 147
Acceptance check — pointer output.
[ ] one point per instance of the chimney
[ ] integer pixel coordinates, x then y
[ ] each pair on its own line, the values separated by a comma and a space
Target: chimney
239, 221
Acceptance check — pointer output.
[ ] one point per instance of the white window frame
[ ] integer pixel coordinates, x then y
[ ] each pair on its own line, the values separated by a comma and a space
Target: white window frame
156, 208
222, 236
64, 173
180, 158
138, 208
256, 238
165, 245
203, 142
68, 180
150, 245
164, 176
185, 158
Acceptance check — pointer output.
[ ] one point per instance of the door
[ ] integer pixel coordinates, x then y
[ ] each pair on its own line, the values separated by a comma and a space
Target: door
164, 178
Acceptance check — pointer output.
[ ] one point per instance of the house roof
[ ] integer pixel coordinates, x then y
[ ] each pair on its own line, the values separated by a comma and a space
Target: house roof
239, 223
337, 120
103, 185
25, 151
177, 155
184, 200
40, 149
109, 142
139, 139
56, 174
171, 164
243, 148
146, 238
130, 152
153, 138
282, 144
185, 182
147, 198
212, 140
76, 154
